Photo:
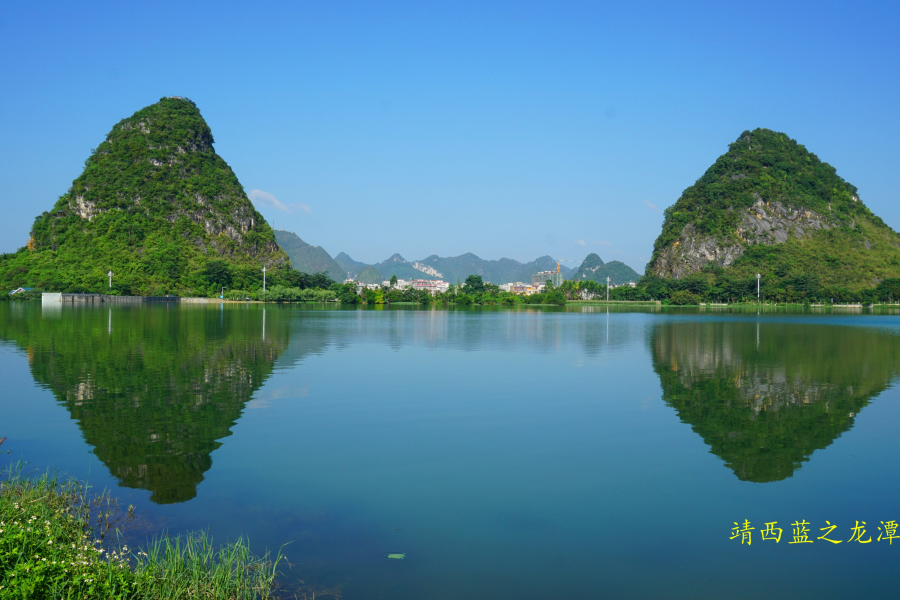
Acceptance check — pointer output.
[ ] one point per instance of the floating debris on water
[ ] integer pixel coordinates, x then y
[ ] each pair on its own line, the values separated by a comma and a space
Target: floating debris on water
395, 556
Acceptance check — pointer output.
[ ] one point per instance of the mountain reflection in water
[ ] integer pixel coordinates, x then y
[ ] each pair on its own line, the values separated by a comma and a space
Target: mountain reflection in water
765, 395
152, 389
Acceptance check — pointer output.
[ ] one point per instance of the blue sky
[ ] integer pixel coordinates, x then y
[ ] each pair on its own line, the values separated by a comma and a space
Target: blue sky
505, 129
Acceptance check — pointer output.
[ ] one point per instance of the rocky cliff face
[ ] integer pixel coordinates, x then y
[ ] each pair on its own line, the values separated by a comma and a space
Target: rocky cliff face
763, 223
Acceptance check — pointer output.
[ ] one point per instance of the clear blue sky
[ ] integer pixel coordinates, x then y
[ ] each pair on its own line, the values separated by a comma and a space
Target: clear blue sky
505, 129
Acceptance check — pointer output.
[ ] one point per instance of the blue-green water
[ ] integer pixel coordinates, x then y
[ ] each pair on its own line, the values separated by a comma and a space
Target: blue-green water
509, 454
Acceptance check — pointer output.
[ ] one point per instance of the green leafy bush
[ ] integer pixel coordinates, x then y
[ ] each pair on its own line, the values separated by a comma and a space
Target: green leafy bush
684, 298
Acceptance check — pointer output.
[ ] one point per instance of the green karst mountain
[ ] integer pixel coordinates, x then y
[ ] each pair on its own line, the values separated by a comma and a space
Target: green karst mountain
307, 258
370, 275
153, 204
764, 398
153, 390
594, 269
770, 206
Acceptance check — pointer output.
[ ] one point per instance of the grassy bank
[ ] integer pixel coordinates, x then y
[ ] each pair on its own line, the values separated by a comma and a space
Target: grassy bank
57, 540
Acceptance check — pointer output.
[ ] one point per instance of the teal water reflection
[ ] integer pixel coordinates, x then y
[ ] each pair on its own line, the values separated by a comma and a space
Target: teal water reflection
765, 400
540, 453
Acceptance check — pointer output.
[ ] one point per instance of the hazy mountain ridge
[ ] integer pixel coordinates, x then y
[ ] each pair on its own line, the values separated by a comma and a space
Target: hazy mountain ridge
308, 258
457, 268
452, 269
348, 264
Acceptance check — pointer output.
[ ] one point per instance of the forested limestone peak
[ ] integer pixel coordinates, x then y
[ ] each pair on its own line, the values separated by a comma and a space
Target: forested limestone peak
594, 269
153, 204
592, 260
769, 190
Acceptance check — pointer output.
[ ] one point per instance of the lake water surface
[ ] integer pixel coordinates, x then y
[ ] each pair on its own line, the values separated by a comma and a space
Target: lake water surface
545, 453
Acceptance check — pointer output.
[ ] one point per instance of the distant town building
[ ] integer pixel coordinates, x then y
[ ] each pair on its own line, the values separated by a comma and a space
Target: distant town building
435, 286
554, 277
523, 289
401, 283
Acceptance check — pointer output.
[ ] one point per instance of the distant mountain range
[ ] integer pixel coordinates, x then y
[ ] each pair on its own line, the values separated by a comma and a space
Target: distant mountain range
308, 258
313, 259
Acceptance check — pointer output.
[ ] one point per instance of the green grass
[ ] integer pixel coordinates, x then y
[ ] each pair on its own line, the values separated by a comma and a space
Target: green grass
55, 542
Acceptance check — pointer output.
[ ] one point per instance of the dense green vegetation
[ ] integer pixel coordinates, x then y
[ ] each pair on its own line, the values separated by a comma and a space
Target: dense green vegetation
594, 269
154, 204
55, 543
846, 254
764, 402
475, 291
719, 286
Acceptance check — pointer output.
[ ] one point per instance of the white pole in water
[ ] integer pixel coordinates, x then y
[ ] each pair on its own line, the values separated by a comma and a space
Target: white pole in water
607, 289
264, 279
757, 287
110, 274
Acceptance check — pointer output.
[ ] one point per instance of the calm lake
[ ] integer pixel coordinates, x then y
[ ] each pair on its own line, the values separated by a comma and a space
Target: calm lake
543, 453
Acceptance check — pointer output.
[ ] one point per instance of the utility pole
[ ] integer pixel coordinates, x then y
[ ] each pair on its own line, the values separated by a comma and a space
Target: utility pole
607, 289
264, 279
110, 274
757, 287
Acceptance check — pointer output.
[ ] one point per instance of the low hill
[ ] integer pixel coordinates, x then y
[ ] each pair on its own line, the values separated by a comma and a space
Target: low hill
348, 265
770, 206
307, 258
369, 274
544, 263
594, 269
154, 205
